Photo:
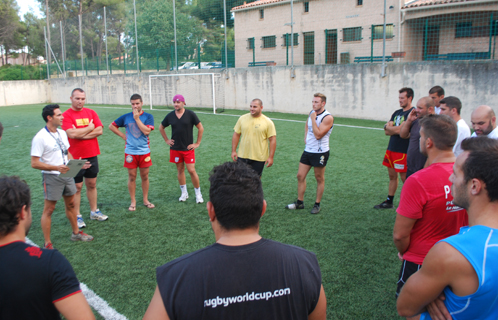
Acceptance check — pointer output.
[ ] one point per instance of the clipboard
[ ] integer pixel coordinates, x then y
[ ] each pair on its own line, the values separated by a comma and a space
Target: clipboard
74, 167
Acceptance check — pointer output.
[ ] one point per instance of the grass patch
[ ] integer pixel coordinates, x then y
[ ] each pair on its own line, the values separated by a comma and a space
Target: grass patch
353, 242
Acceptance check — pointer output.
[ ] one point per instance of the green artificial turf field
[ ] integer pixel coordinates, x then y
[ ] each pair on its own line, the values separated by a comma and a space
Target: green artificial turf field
353, 241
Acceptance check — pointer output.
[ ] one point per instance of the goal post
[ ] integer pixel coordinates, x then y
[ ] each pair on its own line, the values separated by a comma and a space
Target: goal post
201, 90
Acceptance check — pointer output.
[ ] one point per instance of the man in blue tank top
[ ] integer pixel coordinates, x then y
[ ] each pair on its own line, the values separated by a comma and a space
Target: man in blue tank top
459, 277
316, 152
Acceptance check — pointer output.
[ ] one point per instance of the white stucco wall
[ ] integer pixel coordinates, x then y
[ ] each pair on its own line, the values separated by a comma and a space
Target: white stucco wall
353, 91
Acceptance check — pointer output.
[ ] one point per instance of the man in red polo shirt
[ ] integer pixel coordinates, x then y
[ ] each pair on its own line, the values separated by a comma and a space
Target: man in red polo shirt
83, 126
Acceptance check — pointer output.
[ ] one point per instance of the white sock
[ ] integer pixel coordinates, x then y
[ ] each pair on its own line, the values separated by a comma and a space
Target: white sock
197, 191
79, 216
183, 188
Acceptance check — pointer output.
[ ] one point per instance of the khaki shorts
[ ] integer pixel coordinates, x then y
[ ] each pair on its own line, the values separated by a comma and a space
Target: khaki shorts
54, 187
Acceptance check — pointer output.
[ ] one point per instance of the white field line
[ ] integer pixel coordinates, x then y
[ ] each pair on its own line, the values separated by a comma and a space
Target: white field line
96, 302
236, 115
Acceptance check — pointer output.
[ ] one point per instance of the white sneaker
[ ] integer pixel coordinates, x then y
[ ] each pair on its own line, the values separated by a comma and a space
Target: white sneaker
198, 198
183, 197
81, 223
97, 215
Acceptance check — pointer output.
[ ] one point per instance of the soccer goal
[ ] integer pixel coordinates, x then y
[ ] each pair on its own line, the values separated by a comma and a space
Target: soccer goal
201, 90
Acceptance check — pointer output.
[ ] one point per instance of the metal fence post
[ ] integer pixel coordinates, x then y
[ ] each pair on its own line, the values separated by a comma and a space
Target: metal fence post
426, 32
157, 60
490, 35
372, 43
174, 26
81, 47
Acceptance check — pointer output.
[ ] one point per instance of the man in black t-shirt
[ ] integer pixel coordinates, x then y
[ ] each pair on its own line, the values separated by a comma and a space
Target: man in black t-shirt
242, 275
182, 146
395, 157
34, 283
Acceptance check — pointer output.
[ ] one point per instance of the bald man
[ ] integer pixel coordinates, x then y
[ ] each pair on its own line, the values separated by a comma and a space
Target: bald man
484, 122
410, 129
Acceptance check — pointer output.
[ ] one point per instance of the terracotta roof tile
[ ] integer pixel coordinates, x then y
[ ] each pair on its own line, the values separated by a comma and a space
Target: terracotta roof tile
255, 4
423, 3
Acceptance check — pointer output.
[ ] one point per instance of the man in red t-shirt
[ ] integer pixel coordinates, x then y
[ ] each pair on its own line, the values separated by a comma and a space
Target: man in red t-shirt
83, 126
426, 213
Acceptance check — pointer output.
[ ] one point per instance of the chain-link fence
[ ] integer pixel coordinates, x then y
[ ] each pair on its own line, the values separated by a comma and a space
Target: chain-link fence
173, 35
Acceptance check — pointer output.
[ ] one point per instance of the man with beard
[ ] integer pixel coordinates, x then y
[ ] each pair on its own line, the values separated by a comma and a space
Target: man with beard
395, 157
483, 121
463, 266
36, 283
410, 129
426, 214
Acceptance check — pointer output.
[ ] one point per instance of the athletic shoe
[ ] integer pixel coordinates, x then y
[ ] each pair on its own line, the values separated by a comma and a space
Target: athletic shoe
198, 198
49, 246
294, 205
183, 197
316, 209
81, 237
97, 215
81, 223
384, 205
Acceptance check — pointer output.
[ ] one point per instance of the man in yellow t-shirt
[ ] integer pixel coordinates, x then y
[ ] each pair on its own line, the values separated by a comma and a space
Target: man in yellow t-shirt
256, 130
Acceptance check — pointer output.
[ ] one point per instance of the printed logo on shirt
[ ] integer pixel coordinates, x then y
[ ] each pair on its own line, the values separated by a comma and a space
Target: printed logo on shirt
34, 251
82, 122
398, 120
225, 302
129, 159
451, 207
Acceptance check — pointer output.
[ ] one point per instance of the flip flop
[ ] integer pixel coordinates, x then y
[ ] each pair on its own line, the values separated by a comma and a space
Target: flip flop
149, 205
132, 208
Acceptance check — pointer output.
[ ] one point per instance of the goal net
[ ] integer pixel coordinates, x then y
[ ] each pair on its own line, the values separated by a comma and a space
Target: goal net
201, 90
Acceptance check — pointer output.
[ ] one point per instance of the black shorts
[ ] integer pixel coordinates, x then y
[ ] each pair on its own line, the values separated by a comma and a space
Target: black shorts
90, 172
257, 166
407, 269
315, 159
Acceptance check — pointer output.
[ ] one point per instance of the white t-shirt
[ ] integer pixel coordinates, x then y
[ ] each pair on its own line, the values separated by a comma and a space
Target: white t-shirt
463, 133
493, 134
50, 146
437, 110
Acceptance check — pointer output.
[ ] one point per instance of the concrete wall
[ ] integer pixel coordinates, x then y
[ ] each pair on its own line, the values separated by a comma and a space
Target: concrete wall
358, 91
24, 92
354, 91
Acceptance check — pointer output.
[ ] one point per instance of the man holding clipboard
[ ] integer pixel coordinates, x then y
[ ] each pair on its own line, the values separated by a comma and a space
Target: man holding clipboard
49, 153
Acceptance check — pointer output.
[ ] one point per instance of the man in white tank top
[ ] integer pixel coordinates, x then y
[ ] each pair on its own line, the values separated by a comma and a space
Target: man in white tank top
316, 153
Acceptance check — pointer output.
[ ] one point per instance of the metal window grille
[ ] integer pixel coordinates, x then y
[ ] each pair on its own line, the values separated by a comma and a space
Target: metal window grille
250, 43
269, 41
378, 32
287, 39
463, 30
351, 34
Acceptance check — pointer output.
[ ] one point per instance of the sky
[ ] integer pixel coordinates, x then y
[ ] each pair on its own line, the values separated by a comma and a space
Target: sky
29, 5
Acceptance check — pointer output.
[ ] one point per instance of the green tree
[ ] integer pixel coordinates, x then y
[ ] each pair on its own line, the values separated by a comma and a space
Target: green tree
10, 28
33, 36
211, 11
156, 30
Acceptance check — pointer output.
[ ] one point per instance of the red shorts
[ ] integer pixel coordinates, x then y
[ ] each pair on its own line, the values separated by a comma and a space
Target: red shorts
133, 161
177, 156
396, 160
